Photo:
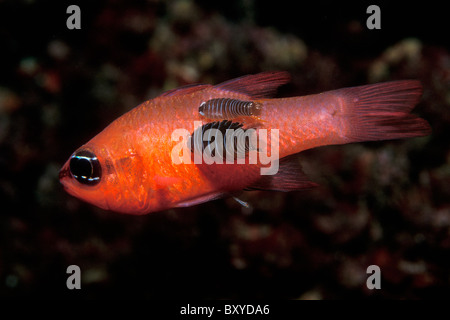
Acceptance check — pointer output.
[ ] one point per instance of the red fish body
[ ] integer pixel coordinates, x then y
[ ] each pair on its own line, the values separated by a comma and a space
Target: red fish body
135, 165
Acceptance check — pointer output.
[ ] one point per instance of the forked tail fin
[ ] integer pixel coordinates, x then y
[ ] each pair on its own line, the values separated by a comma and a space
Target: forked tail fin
382, 111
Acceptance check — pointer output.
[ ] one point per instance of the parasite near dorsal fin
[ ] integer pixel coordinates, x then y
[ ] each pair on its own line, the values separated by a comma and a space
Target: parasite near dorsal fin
227, 108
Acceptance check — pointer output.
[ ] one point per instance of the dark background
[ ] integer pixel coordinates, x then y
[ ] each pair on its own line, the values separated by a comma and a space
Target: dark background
384, 203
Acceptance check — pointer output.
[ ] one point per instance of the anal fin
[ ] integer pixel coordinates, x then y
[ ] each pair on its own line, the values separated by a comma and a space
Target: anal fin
290, 177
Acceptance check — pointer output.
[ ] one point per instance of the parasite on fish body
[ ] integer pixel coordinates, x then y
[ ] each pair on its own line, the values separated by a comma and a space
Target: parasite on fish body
222, 136
226, 108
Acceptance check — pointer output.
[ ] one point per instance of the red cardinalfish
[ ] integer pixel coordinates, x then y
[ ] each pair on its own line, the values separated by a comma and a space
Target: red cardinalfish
133, 166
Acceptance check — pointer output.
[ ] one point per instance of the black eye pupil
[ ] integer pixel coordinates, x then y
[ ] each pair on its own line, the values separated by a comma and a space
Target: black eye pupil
85, 167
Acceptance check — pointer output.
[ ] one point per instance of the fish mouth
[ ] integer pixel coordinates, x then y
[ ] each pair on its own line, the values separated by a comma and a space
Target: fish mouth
64, 173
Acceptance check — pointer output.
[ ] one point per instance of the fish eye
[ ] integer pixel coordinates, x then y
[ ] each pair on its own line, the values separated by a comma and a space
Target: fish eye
85, 167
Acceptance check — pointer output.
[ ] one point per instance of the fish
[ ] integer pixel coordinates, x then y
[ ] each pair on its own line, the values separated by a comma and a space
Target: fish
168, 152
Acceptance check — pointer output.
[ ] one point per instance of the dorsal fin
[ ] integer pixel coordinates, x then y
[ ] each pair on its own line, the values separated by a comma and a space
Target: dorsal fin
187, 89
260, 85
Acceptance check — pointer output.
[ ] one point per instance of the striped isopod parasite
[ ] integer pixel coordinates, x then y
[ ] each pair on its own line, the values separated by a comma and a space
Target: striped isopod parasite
226, 108
234, 139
